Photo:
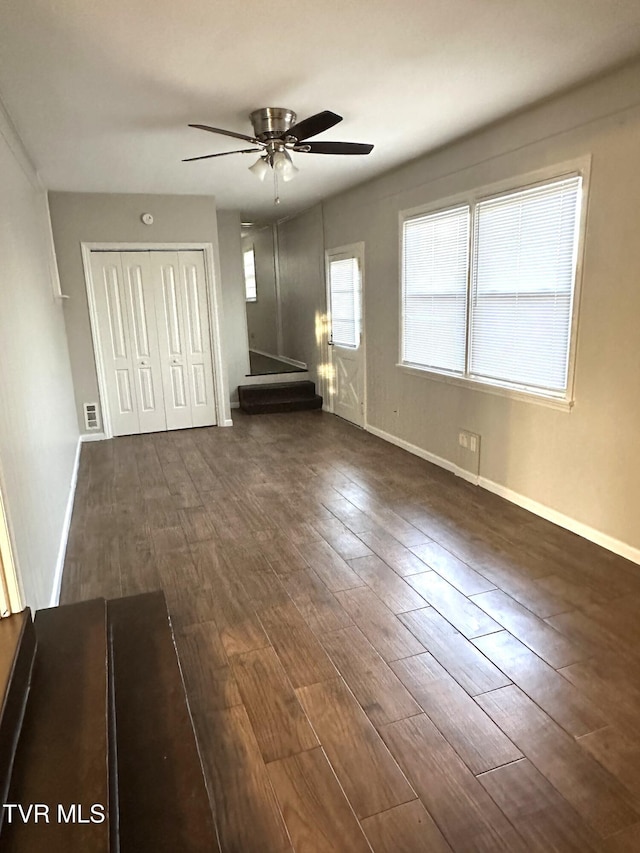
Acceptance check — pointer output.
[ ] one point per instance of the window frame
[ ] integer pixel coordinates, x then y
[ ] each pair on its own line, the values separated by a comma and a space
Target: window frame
579, 166
245, 251
346, 253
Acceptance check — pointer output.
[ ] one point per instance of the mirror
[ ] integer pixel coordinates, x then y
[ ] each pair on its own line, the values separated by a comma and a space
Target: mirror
260, 260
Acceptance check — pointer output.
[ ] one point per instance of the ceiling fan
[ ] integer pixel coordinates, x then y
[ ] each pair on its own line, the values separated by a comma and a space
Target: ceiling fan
276, 133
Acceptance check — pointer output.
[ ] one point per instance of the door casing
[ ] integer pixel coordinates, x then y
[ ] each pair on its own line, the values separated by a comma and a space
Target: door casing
11, 597
214, 302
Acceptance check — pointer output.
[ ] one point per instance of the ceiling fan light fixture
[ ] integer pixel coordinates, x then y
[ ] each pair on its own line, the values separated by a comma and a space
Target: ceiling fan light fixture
283, 165
289, 171
260, 168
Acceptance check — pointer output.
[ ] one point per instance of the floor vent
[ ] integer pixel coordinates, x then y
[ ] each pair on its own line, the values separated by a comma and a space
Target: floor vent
91, 416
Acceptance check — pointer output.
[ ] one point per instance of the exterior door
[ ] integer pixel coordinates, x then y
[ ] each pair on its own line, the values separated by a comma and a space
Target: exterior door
347, 385
184, 338
128, 341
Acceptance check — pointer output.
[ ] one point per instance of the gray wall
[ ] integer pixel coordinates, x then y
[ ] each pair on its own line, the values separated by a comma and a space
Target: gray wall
38, 432
302, 290
235, 319
115, 218
584, 464
262, 315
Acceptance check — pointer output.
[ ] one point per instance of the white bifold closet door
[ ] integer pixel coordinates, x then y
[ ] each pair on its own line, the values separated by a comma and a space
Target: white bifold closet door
153, 328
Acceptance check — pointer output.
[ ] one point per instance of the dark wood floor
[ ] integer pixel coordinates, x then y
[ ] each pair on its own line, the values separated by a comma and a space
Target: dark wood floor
376, 653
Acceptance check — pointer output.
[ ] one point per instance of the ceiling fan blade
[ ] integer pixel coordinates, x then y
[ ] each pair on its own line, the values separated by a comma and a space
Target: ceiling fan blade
334, 148
228, 133
313, 125
222, 154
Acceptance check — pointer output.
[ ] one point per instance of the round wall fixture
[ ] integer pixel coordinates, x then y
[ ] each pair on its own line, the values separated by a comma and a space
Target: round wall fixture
147, 218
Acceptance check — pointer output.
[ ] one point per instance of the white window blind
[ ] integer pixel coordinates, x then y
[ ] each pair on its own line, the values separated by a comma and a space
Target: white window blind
251, 290
435, 278
522, 286
344, 286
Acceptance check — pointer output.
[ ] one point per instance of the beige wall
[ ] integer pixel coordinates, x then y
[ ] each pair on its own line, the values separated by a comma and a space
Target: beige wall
262, 315
302, 288
115, 218
584, 464
38, 432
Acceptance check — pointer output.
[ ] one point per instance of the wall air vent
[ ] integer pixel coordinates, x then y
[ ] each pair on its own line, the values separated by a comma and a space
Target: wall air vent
91, 420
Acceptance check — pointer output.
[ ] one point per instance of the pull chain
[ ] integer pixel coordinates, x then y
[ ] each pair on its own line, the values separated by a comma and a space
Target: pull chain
276, 197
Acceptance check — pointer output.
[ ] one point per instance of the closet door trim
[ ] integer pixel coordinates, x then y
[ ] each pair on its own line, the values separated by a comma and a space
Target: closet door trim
214, 304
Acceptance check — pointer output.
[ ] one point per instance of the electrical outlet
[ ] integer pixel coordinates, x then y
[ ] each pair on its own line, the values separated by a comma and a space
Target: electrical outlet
469, 440
469, 452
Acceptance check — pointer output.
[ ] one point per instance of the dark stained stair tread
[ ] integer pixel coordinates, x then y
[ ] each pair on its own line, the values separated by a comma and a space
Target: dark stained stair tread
62, 755
17, 651
279, 397
163, 801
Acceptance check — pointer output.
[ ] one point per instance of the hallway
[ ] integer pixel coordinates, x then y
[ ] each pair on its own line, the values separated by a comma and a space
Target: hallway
375, 652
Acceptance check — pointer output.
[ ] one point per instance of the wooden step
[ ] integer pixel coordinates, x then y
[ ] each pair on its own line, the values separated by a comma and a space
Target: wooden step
17, 651
163, 801
276, 390
283, 405
63, 754
279, 397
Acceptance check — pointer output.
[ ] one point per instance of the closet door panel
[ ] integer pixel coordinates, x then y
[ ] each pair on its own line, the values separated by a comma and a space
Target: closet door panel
199, 365
165, 274
144, 341
114, 341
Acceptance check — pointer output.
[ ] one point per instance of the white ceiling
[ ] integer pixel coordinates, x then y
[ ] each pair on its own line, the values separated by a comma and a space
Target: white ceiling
101, 92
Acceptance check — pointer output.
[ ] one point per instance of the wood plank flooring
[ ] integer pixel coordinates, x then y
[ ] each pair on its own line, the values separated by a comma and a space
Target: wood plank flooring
378, 655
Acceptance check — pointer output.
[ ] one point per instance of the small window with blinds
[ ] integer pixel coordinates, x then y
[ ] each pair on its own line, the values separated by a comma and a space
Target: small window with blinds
250, 286
344, 291
435, 274
488, 288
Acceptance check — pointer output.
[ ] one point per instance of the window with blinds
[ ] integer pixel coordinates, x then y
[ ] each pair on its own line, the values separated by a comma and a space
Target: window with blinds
344, 291
500, 313
435, 272
251, 288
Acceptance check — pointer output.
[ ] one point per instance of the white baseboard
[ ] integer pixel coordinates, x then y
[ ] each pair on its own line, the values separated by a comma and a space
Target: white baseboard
227, 422
622, 549
292, 361
284, 358
66, 524
270, 378
413, 448
92, 436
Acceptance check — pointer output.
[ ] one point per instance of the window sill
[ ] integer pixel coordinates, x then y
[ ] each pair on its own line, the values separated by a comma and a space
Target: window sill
497, 390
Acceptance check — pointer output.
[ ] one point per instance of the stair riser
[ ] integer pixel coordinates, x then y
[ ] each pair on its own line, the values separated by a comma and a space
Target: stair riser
276, 406
277, 391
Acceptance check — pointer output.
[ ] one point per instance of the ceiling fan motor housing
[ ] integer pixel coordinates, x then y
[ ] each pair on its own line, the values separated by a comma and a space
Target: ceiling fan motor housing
272, 122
